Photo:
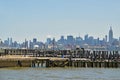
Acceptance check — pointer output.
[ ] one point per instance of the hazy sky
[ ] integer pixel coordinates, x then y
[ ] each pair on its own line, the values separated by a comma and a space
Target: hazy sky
29, 19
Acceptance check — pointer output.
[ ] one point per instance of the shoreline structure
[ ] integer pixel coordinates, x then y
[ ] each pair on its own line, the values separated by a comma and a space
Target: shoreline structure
60, 58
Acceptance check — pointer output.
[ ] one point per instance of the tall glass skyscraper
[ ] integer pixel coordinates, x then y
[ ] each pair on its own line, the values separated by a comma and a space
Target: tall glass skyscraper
110, 35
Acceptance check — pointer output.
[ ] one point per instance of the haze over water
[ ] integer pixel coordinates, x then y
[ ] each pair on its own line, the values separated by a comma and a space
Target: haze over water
59, 74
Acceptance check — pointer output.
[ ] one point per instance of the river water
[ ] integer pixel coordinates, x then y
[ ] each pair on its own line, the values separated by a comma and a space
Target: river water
59, 74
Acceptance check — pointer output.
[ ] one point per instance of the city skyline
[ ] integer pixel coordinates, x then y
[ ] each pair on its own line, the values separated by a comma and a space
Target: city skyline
40, 19
108, 37
70, 42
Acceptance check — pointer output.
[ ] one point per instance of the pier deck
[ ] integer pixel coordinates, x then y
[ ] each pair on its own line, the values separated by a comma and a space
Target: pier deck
59, 58
21, 61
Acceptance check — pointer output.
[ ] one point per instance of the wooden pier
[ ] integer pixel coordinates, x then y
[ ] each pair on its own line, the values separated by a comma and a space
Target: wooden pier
63, 58
55, 62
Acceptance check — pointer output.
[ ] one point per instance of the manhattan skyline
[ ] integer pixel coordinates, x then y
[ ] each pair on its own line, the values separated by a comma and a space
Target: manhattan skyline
39, 19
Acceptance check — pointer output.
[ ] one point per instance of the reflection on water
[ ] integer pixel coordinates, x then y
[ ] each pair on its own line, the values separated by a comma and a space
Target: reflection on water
59, 74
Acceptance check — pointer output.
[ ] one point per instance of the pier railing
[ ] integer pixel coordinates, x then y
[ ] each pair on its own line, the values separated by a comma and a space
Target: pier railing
78, 53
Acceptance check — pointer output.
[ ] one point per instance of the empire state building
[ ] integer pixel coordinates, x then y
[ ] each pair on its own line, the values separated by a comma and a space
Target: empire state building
110, 35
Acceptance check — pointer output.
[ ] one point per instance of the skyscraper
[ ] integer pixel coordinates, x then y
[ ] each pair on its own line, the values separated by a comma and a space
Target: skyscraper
105, 38
70, 39
10, 43
86, 38
48, 41
110, 35
62, 40
34, 40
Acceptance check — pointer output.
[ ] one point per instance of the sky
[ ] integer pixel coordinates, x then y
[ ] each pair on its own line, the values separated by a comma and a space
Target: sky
40, 19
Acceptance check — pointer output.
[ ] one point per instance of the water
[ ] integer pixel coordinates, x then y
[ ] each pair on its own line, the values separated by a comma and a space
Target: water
59, 74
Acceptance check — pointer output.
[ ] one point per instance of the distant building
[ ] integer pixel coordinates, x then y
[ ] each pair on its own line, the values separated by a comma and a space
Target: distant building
91, 40
105, 38
34, 40
86, 38
48, 41
30, 45
110, 35
62, 40
6, 42
70, 39
79, 41
10, 43
15, 44
26, 43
